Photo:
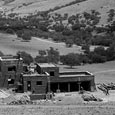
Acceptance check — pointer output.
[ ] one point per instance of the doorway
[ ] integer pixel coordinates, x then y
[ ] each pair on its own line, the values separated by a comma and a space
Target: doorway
28, 85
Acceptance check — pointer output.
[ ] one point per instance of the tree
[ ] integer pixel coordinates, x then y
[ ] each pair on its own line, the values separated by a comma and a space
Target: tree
27, 58
100, 51
111, 15
26, 35
10, 31
110, 52
41, 59
69, 41
70, 59
76, 27
42, 52
19, 33
96, 58
53, 55
86, 48
58, 27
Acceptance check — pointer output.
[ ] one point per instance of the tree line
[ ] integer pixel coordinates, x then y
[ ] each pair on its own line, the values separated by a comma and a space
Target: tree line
79, 28
51, 55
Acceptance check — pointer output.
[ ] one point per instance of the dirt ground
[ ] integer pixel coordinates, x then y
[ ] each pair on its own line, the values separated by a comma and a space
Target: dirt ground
58, 110
65, 104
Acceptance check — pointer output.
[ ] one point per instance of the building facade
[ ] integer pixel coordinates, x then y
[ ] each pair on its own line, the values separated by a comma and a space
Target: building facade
41, 78
49, 79
10, 71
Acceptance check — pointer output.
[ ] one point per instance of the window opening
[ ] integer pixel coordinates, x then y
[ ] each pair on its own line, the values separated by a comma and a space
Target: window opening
51, 73
39, 83
12, 68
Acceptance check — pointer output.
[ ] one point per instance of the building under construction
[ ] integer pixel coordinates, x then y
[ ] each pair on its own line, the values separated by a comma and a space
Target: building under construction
41, 78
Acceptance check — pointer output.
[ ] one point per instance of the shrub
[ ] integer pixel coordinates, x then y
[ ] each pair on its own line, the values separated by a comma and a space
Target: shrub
26, 35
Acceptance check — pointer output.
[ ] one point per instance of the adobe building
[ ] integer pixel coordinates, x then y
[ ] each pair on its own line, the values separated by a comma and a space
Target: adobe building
10, 71
48, 79
41, 78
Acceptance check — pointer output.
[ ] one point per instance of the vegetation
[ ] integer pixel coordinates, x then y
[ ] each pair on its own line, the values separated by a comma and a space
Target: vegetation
70, 59
80, 29
1, 53
50, 56
27, 58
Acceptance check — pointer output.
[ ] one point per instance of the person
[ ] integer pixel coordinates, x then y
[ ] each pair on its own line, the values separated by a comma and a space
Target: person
107, 91
81, 90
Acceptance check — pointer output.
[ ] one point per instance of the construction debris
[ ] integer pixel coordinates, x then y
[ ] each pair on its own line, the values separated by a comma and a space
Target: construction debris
110, 86
89, 97
106, 87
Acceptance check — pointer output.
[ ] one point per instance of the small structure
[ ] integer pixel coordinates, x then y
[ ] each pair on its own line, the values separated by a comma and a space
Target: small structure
10, 71
50, 68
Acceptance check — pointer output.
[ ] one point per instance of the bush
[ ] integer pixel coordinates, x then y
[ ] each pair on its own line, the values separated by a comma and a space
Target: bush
10, 31
26, 35
19, 33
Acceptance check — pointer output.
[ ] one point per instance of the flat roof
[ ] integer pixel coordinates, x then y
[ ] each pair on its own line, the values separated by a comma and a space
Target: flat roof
8, 58
34, 75
74, 75
43, 65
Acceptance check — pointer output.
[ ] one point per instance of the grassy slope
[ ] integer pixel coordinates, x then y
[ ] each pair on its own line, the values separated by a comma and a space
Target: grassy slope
39, 5
104, 73
10, 45
102, 6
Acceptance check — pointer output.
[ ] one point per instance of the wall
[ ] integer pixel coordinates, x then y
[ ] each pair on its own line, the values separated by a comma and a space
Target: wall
5, 74
41, 70
40, 89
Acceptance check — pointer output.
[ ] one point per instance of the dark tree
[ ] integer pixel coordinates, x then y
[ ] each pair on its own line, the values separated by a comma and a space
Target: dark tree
69, 41
100, 51
42, 52
27, 58
70, 59
53, 55
41, 59
110, 52
26, 35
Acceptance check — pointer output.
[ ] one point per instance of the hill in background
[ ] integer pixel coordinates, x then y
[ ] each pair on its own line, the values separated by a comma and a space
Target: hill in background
25, 7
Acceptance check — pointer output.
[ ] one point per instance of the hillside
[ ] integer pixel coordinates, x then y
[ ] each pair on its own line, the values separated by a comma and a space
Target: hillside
10, 44
102, 6
24, 7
